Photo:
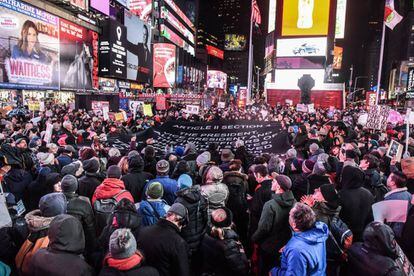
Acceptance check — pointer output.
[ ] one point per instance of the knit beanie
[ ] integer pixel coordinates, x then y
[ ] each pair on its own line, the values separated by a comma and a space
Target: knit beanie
70, 169
203, 158
69, 184
122, 244
91, 165
155, 190
114, 172
184, 181
45, 158
221, 217
163, 166
307, 166
291, 153
53, 204
330, 195
213, 175
284, 182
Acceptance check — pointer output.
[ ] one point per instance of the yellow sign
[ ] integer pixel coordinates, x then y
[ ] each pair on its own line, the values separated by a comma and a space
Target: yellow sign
148, 110
305, 17
119, 117
34, 106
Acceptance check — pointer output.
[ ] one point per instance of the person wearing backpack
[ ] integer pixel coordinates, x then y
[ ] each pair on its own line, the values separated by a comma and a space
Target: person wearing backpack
373, 180
153, 207
273, 231
325, 203
106, 196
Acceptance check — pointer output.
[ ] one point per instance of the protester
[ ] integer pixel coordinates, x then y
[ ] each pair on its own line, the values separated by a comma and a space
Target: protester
169, 185
213, 190
135, 180
92, 178
153, 207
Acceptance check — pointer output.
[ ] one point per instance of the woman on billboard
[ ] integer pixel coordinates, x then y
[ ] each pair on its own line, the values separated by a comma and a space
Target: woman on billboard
28, 46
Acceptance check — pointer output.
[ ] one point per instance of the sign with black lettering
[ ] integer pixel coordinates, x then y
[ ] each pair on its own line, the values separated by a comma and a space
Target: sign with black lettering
378, 117
410, 84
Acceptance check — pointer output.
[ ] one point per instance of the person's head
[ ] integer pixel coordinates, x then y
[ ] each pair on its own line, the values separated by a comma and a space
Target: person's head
66, 234
178, 215
301, 218
235, 165
91, 165
281, 184
68, 125
53, 182
380, 238
114, 152
45, 158
313, 148
29, 40
122, 244
163, 168
291, 153
123, 164
69, 184
260, 173
307, 166
74, 168
221, 218
52, 204
226, 155
212, 175
114, 172
145, 35
327, 194
21, 143
155, 190
396, 180
184, 182
369, 162
149, 151
203, 159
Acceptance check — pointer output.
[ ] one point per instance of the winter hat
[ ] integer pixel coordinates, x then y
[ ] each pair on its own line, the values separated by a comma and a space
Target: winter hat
291, 153
52, 179
87, 153
78, 164
155, 190
307, 166
114, 172
163, 166
319, 168
133, 153
114, 152
52, 146
45, 158
330, 195
227, 155
52, 204
122, 244
221, 217
69, 149
213, 175
351, 154
69, 184
184, 181
203, 158
313, 147
189, 146
383, 150
71, 169
178, 209
284, 182
91, 165
33, 143
179, 151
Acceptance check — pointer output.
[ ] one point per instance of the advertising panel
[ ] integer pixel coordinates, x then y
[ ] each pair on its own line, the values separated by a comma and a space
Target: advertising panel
235, 42
101, 5
177, 24
81, 4
78, 57
164, 65
288, 79
112, 51
216, 52
139, 56
300, 63
272, 16
270, 44
216, 79
340, 19
124, 3
305, 17
337, 60
301, 47
29, 40
410, 83
108, 85
142, 8
176, 39
180, 14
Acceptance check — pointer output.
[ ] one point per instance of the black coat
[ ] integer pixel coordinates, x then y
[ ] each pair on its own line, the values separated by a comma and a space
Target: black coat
88, 183
62, 257
262, 195
138, 270
164, 248
315, 181
197, 215
135, 180
16, 182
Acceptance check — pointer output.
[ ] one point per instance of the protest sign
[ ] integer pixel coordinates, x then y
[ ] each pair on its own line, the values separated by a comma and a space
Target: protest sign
301, 108
105, 111
148, 110
390, 211
192, 109
378, 117
48, 133
395, 150
221, 105
119, 116
311, 108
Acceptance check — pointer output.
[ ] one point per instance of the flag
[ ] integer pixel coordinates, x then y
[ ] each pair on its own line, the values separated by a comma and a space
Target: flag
257, 18
391, 16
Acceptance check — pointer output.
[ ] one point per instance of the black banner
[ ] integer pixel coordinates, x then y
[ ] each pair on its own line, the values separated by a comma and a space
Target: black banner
259, 137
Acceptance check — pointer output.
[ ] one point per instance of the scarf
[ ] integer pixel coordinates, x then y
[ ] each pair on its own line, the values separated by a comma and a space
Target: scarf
124, 264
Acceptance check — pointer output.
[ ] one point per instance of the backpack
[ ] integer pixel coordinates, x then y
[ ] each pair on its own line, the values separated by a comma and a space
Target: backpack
335, 244
27, 251
237, 201
103, 208
235, 256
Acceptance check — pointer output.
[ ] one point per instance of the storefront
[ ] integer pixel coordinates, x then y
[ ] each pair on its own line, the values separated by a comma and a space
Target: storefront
61, 97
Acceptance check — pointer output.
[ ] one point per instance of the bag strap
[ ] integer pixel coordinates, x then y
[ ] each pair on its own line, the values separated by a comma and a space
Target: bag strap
155, 210
118, 194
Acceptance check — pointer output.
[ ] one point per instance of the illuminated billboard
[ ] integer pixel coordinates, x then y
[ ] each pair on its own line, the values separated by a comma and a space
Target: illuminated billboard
176, 39
288, 79
340, 19
235, 42
181, 15
300, 63
164, 65
272, 16
305, 17
301, 47
216, 52
142, 8
216, 79
337, 60
165, 14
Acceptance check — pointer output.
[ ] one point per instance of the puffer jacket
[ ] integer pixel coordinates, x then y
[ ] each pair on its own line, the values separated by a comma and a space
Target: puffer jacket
376, 255
196, 205
62, 257
152, 210
170, 188
135, 180
109, 188
216, 195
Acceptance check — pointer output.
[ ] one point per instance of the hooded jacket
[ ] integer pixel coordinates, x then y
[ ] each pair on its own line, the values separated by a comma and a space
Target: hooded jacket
16, 182
151, 210
88, 184
62, 257
273, 231
196, 205
135, 180
170, 188
109, 188
262, 195
305, 253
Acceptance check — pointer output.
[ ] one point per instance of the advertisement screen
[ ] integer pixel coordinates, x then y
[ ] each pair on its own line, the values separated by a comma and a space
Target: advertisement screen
270, 44
29, 40
216, 79
181, 15
288, 79
215, 52
176, 39
177, 24
78, 57
272, 16
337, 61
124, 3
142, 8
139, 56
101, 5
340, 19
301, 47
112, 51
305, 17
235, 42
300, 63
164, 65
81, 4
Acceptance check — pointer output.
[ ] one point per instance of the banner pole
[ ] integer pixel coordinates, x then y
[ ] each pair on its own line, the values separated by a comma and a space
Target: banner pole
250, 66
380, 64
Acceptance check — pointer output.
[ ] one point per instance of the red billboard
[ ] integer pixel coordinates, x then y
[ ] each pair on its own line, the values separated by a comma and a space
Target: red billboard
142, 8
164, 65
216, 52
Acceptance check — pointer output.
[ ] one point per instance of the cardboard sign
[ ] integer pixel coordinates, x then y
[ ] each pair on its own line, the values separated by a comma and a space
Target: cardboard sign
34, 106
289, 102
311, 108
390, 211
301, 108
192, 109
221, 105
105, 111
378, 117
119, 116
48, 133
395, 150
148, 110
161, 102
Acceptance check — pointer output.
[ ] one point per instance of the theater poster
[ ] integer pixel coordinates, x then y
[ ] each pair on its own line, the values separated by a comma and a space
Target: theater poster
164, 65
29, 47
78, 57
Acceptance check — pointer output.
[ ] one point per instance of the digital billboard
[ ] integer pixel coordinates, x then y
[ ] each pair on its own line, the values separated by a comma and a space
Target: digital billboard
81, 4
288, 79
180, 14
270, 44
165, 14
164, 65
272, 16
30, 47
142, 8
340, 19
300, 62
235, 42
138, 46
216, 79
124, 3
216, 52
337, 60
101, 5
301, 47
305, 17
176, 39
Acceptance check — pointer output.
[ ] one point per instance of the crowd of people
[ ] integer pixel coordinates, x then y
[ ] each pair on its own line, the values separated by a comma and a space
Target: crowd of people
77, 205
